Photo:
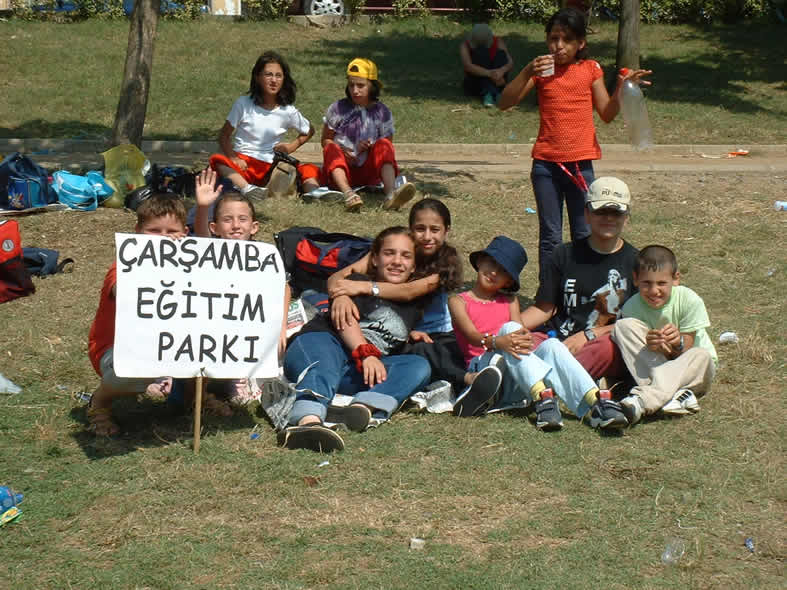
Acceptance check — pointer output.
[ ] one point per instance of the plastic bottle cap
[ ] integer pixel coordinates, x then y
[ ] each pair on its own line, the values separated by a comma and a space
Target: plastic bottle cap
624, 71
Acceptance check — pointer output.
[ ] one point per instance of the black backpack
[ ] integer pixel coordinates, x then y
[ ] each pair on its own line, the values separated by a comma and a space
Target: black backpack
311, 255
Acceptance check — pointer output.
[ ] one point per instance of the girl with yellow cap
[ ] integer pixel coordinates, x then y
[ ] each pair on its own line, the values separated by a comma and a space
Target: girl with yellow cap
357, 141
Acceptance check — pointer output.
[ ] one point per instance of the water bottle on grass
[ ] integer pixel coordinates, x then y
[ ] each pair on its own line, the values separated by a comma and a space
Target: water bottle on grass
635, 114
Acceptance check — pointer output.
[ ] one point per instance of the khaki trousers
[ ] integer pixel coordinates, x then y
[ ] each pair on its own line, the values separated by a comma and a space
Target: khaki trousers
658, 378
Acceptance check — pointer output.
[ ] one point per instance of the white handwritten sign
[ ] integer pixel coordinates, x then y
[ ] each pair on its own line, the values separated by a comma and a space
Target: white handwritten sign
197, 305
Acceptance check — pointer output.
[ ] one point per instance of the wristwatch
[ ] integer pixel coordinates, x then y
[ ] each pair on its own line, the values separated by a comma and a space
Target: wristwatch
590, 334
375, 290
681, 344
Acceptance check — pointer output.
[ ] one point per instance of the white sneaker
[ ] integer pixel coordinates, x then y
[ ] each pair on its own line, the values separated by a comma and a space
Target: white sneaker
399, 197
254, 192
632, 408
323, 193
684, 402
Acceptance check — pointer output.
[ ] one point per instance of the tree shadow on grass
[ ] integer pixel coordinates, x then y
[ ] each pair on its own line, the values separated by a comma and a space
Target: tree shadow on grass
148, 424
415, 66
427, 67
68, 129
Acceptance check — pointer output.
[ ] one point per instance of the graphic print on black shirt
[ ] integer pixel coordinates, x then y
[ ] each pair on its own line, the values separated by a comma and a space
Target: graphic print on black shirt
587, 287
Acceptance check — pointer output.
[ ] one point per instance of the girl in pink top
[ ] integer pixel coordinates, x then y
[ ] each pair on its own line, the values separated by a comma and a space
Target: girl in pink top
569, 87
494, 344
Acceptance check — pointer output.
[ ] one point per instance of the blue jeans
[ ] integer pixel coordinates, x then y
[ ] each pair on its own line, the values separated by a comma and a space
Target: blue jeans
551, 363
320, 367
551, 187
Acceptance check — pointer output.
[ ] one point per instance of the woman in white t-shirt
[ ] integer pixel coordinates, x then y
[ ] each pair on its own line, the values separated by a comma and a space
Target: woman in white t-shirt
256, 125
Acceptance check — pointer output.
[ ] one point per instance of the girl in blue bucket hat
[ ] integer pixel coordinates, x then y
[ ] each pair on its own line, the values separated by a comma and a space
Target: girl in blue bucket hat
498, 348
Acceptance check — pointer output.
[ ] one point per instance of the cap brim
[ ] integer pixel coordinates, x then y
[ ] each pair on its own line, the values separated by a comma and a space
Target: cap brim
596, 205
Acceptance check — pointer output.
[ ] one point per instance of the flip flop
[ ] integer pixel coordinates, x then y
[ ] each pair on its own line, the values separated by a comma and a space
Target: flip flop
352, 201
314, 437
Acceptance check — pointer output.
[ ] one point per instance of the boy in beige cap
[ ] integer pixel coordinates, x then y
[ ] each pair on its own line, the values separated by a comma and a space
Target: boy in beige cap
583, 290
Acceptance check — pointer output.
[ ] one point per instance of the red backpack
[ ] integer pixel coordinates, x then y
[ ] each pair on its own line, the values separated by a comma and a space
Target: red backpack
15, 279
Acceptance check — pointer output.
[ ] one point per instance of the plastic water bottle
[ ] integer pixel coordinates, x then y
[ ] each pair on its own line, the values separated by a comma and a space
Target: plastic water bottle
673, 551
635, 114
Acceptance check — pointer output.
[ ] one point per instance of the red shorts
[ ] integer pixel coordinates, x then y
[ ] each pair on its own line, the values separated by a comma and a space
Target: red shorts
257, 169
599, 357
381, 152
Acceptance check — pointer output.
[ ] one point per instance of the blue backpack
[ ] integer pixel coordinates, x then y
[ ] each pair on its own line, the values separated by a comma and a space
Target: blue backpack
42, 262
24, 184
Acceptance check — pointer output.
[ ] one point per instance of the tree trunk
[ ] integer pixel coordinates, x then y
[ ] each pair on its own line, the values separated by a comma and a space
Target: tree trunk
133, 103
628, 35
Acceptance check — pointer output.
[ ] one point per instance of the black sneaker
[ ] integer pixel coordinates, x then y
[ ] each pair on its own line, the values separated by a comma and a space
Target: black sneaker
548, 412
314, 437
356, 416
482, 393
607, 414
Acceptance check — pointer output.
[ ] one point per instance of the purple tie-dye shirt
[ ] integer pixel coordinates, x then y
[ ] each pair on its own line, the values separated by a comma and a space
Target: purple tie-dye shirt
353, 124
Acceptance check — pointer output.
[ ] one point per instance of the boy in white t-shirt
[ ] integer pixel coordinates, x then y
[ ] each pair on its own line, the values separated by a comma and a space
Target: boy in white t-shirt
663, 341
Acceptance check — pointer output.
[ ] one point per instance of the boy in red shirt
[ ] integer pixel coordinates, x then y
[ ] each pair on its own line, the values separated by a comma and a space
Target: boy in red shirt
159, 215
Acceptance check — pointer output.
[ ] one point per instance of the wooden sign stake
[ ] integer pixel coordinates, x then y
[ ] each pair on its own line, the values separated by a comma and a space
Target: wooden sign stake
199, 386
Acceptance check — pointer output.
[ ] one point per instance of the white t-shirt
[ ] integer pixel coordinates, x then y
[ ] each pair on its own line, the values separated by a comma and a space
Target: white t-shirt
257, 129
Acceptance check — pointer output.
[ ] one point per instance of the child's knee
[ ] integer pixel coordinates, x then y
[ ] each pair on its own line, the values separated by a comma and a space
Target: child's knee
509, 327
554, 348
629, 326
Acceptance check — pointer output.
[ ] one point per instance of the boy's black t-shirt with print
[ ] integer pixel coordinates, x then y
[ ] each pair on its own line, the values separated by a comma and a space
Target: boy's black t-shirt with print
587, 287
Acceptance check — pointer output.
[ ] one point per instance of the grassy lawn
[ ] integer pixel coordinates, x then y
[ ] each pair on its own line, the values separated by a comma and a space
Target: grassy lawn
719, 85
499, 504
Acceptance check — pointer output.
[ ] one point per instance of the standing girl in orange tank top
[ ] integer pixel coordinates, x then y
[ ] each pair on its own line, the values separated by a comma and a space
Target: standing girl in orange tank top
569, 87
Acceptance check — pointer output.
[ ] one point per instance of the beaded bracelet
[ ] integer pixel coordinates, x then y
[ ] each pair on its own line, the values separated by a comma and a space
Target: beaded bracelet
483, 341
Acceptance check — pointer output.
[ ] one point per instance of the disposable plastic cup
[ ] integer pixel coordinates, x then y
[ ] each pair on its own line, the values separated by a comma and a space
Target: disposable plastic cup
550, 71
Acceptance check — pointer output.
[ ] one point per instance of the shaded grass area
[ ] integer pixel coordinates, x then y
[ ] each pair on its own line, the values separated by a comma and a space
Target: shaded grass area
499, 504
717, 85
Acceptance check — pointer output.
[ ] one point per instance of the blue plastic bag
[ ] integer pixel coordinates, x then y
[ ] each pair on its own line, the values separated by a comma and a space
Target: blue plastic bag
81, 192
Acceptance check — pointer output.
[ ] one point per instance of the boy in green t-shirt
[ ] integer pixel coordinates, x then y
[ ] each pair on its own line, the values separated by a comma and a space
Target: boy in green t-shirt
663, 341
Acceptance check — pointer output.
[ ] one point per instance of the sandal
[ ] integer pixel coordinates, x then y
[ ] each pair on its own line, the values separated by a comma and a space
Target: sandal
352, 201
356, 417
101, 423
314, 437
216, 406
